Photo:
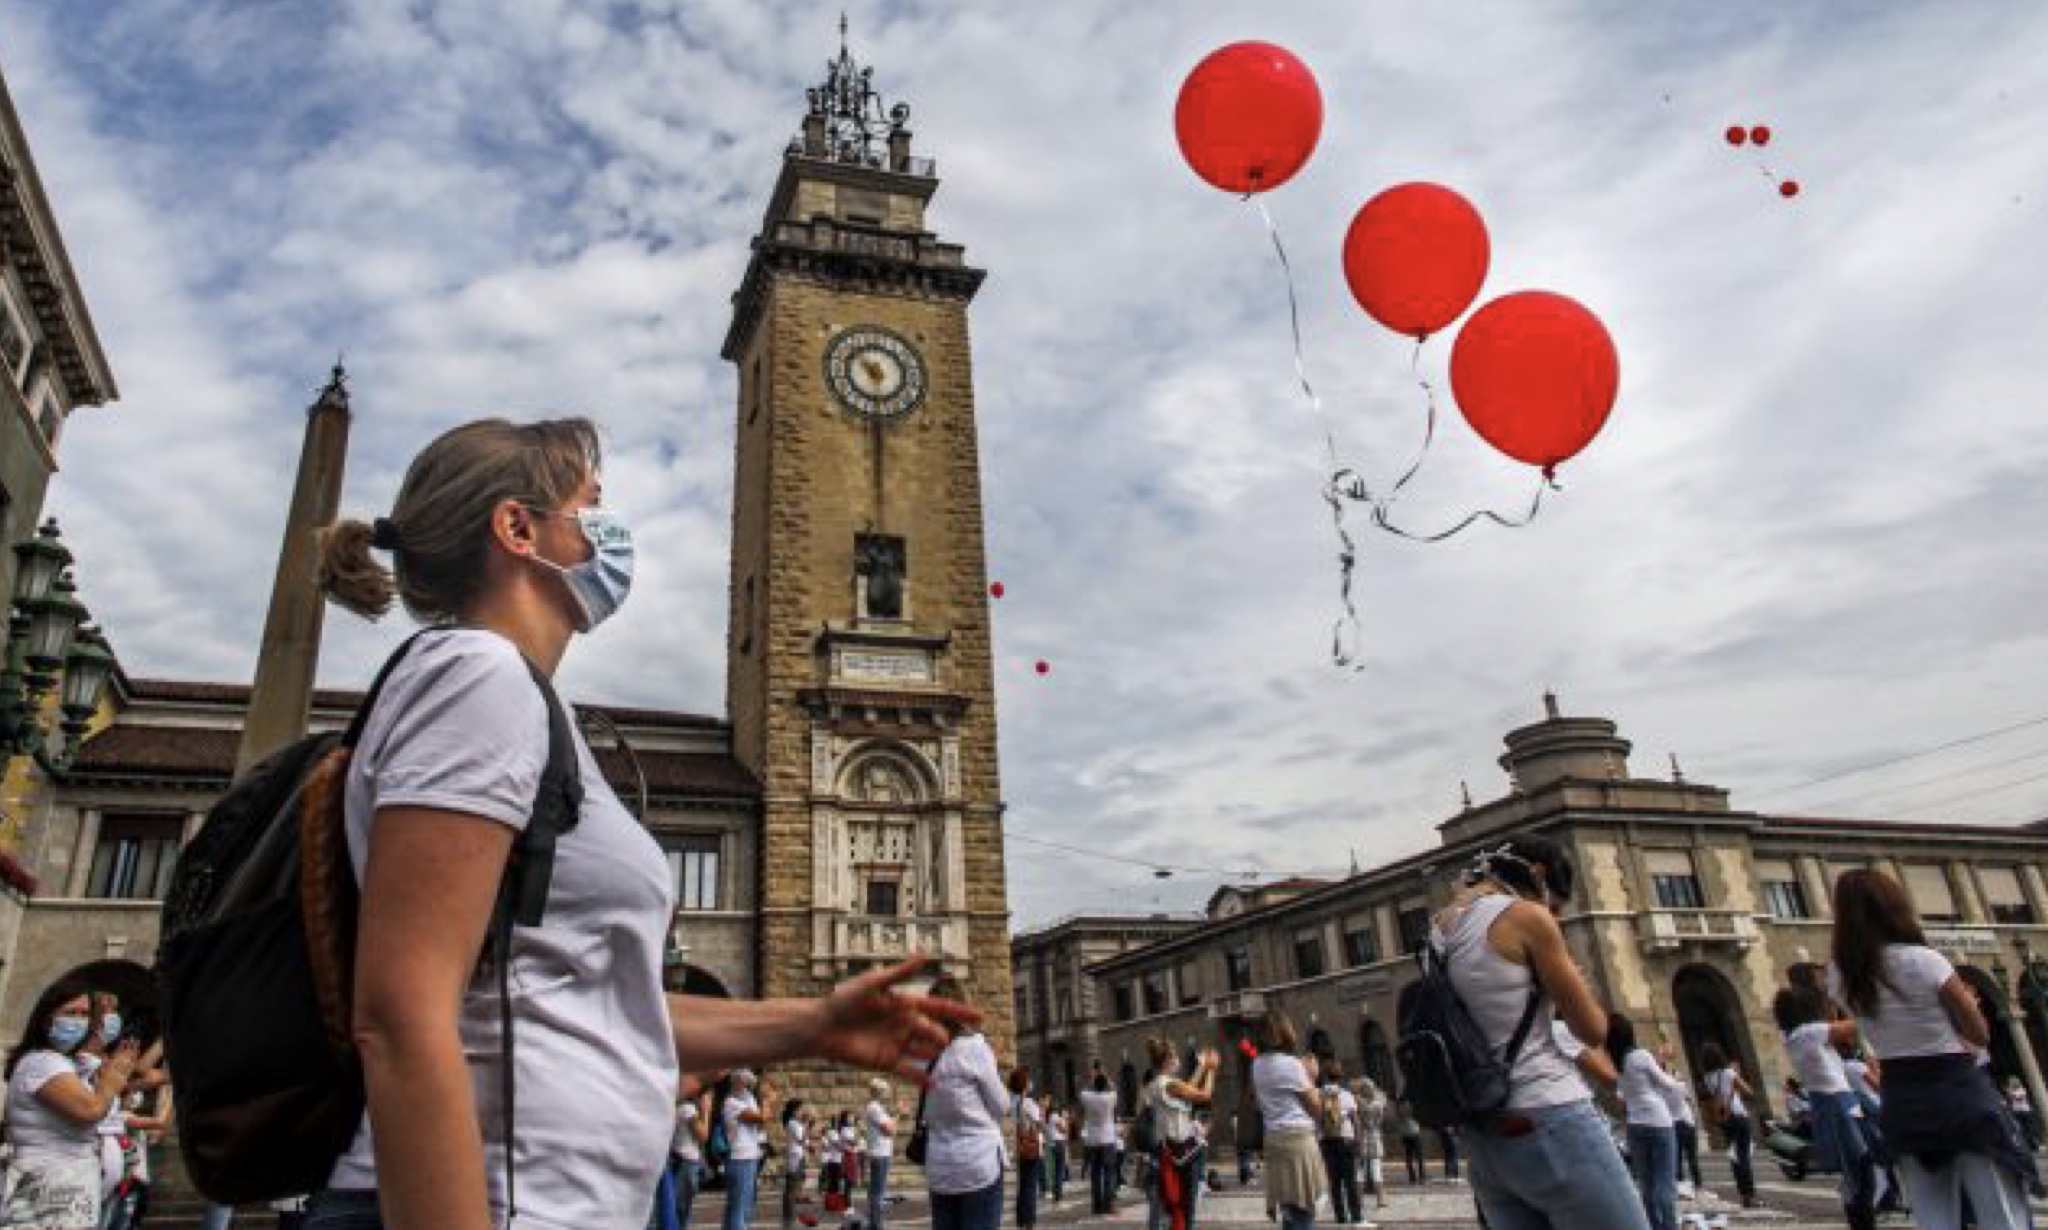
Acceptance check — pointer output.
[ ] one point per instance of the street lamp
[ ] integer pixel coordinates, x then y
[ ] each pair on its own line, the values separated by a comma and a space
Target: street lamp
48, 644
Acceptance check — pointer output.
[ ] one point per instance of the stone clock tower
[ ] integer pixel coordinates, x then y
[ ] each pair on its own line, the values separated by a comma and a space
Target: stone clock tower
859, 681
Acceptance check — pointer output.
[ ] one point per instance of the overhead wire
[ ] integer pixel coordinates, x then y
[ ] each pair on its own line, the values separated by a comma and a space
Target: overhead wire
1245, 873
1971, 771
1902, 758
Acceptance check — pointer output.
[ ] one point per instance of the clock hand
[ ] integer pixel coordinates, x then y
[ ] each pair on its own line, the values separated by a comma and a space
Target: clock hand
874, 370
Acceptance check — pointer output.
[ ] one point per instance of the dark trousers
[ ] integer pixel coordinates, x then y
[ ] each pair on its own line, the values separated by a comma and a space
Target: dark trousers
1030, 1173
1689, 1153
1411, 1153
1101, 1163
1742, 1150
1057, 1171
976, 1210
1448, 1139
1340, 1161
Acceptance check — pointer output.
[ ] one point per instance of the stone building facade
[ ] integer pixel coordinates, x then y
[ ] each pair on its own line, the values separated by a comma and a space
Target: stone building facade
1689, 913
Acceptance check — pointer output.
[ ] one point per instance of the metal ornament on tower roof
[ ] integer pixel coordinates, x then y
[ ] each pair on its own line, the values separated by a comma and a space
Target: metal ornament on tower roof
857, 126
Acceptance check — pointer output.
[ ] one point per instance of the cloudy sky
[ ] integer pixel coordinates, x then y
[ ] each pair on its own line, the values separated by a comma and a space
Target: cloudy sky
1809, 539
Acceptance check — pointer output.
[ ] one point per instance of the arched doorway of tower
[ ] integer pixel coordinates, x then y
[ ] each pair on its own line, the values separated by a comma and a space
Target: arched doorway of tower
2005, 1057
1378, 1057
1710, 1010
695, 980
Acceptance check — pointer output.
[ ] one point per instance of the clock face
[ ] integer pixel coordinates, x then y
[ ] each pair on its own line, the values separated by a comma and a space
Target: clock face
875, 373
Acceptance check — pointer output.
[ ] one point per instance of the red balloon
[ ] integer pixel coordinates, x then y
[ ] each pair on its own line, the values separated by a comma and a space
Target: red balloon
995, 590
1248, 117
1736, 135
1415, 257
1535, 374
1760, 135
1789, 189
1044, 668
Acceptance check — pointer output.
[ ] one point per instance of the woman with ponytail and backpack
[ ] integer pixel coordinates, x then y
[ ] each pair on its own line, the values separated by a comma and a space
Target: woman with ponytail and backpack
499, 541
1544, 1160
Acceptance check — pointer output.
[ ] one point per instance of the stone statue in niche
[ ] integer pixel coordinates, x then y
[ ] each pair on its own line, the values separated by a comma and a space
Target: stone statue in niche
878, 561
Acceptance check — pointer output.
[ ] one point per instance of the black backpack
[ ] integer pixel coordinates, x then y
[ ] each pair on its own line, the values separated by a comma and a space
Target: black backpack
1449, 1074
258, 957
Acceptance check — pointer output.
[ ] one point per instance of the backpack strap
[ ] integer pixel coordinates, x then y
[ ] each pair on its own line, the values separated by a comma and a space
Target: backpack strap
523, 897
1436, 963
354, 733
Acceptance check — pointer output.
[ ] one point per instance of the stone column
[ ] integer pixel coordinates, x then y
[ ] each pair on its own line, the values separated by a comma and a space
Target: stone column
1962, 878
76, 883
1813, 874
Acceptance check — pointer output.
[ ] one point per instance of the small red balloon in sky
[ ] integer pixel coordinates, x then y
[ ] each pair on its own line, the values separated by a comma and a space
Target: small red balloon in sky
1761, 134
1736, 135
995, 589
1789, 189
1044, 668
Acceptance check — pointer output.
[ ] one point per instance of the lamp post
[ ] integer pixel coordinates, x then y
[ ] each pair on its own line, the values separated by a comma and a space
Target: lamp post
49, 645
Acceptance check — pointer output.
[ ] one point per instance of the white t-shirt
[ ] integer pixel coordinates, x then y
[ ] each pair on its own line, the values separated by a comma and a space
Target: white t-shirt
1280, 1080
36, 1130
793, 1153
461, 726
1056, 1128
1722, 1085
963, 1118
744, 1139
1567, 1041
1173, 1117
1347, 1109
1814, 1059
1647, 1090
828, 1147
1910, 1018
685, 1144
1027, 1110
1098, 1117
880, 1144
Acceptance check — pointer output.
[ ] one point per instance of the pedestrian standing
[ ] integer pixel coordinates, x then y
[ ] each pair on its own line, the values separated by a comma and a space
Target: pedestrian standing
1952, 1136
1337, 1137
1058, 1126
53, 1115
1839, 1146
796, 1127
1410, 1130
1447, 1142
1285, 1086
1728, 1091
965, 1104
1372, 1144
1177, 1162
686, 1150
1027, 1123
881, 1142
500, 544
1647, 1094
1508, 963
748, 1109
1685, 1128
1098, 1143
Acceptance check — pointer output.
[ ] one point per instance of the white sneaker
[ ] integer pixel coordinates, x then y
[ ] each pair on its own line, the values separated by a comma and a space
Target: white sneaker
1685, 1191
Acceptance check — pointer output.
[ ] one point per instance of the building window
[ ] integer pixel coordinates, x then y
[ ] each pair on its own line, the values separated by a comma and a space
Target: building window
1187, 986
49, 416
1932, 896
1120, 994
14, 338
1154, 984
2004, 897
693, 864
884, 898
1362, 943
134, 857
1308, 954
1237, 968
1413, 924
1674, 882
1784, 896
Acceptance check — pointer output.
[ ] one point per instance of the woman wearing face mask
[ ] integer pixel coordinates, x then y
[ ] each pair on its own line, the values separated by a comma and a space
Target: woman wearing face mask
499, 541
53, 1115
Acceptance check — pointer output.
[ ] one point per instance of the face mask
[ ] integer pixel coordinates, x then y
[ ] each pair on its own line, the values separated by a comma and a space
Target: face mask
66, 1032
110, 1028
600, 583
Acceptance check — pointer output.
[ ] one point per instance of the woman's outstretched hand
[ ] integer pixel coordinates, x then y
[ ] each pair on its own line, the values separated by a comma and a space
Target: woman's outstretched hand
867, 1023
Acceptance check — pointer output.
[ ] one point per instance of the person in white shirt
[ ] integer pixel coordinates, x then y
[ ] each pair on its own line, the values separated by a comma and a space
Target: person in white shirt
53, 1114
1027, 1121
1372, 1142
1286, 1090
796, 1127
1811, 1042
686, 1150
881, 1141
1177, 1160
1058, 1125
1647, 1092
746, 1118
1728, 1088
965, 1104
1337, 1137
1098, 1143
1685, 1127
832, 1158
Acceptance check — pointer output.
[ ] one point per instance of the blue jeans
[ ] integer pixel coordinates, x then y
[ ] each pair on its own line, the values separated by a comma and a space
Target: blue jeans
1564, 1174
689, 1177
740, 1180
1292, 1218
1030, 1178
1653, 1153
878, 1190
1101, 1178
333, 1210
976, 1210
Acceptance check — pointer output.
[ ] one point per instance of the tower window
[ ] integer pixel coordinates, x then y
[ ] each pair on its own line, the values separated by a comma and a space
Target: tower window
1674, 881
884, 898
